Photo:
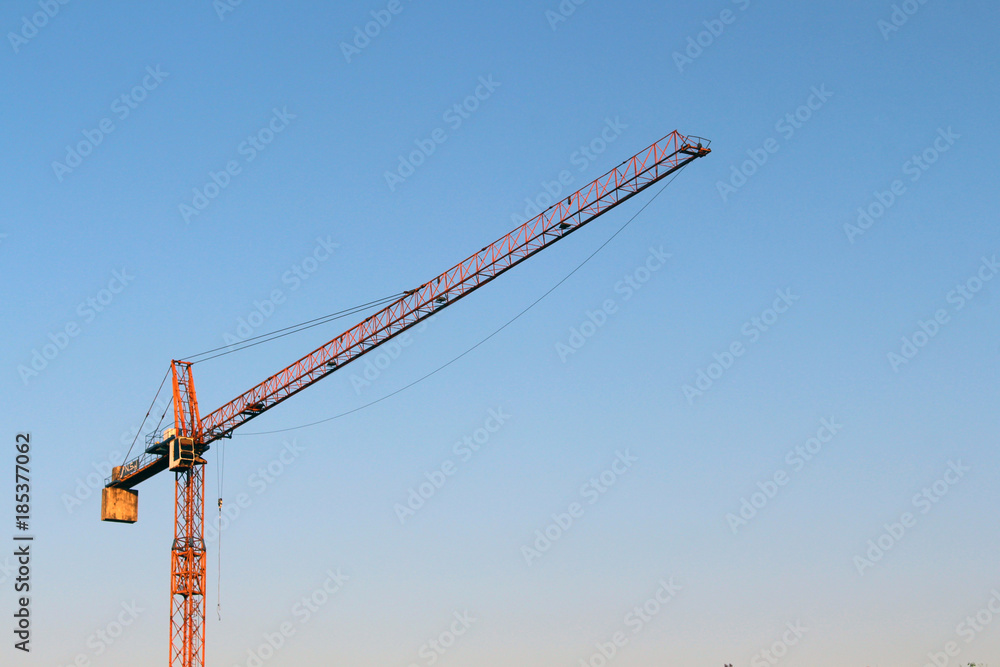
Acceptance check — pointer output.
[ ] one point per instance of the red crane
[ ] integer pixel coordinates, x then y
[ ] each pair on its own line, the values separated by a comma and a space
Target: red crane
180, 447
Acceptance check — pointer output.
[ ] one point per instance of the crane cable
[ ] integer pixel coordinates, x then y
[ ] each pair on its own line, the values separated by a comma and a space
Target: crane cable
504, 326
301, 326
150, 409
294, 328
220, 463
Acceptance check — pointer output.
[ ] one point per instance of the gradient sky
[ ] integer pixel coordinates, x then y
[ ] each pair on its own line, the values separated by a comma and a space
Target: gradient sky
320, 189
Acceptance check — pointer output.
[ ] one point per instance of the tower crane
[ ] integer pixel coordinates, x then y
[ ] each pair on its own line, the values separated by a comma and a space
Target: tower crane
180, 448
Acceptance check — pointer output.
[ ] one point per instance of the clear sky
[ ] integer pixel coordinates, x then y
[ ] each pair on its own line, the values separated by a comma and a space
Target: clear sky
761, 413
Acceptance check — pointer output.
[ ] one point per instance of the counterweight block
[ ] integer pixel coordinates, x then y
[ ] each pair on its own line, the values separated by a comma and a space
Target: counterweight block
119, 505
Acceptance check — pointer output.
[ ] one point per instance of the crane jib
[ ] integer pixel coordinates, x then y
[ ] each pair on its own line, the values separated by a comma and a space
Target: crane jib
632, 176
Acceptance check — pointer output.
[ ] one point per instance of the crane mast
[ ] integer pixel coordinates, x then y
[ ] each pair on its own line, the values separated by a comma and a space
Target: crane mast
180, 448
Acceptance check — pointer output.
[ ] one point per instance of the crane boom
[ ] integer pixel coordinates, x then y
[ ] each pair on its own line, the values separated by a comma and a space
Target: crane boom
631, 177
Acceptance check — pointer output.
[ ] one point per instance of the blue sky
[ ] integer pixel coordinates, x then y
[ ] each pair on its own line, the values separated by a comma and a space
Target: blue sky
814, 110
